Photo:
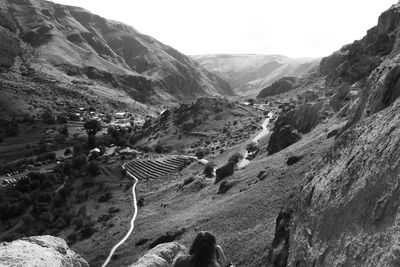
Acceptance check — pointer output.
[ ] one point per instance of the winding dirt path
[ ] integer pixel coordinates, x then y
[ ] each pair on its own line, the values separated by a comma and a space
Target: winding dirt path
244, 162
132, 220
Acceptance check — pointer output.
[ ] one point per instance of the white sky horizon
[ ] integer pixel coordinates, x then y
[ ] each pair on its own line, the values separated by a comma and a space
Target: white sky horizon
293, 28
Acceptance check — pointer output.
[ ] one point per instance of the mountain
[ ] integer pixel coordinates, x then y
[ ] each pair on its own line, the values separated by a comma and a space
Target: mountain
69, 47
249, 73
347, 207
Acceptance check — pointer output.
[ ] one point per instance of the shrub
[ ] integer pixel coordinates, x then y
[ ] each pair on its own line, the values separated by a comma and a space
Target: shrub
72, 238
293, 159
93, 168
88, 230
209, 170
252, 147
158, 148
48, 117
67, 151
188, 180
79, 161
224, 187
105, 197
235, 158
77, 149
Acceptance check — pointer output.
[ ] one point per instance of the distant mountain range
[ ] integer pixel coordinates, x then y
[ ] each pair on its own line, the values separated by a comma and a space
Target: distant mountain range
247, 74
72, 44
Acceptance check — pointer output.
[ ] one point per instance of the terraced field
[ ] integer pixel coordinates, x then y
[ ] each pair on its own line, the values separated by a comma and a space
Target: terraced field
154, 168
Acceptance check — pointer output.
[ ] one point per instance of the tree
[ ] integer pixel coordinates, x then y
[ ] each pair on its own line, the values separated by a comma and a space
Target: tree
158, 148
252, 147
79, 161
235, 158
67, 151
92, 127
64, 131
93, 168
209, 170
77, 149
48, 116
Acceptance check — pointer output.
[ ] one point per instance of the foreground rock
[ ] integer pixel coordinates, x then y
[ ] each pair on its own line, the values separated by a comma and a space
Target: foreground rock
39, 251
162, 255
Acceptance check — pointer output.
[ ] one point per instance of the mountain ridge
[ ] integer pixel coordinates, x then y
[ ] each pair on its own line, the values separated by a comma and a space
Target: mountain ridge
75, 46
249, 73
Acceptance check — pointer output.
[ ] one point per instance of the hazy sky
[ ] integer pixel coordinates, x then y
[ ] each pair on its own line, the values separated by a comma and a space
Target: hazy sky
307, 28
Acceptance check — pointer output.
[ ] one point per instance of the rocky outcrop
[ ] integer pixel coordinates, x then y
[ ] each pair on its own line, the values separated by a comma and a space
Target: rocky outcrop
162, 255
279, 87
279, 251
290, 125
39, 251
349, 209
284, 135
224, 171
356, 61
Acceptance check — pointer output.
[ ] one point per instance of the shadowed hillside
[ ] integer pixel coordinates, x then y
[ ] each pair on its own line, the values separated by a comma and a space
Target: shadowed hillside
72, 48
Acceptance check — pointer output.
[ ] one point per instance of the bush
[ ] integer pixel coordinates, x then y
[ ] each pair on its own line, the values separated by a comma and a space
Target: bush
64, 131
209, 170
158, 148
252, 147
224, 187
48, 117
105, 197
88, 230
77, 149
293, 159
235, 158
93, 168
67, 151
79, 161
188, 180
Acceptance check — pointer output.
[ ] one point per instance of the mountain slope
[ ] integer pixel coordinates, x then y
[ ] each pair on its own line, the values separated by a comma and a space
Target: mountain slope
348, 208
249, 73
73, 44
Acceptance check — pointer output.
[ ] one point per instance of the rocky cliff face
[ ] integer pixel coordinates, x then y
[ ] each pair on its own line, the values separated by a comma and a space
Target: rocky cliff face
348, 210
74, 46
248, 74
39, 251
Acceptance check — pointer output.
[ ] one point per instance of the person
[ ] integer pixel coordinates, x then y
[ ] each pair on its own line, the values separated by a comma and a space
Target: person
204, 252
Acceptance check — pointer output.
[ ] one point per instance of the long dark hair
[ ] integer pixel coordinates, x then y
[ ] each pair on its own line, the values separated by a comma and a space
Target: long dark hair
203, 249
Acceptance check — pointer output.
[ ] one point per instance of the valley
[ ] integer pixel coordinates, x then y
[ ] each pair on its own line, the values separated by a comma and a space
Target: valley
116, 149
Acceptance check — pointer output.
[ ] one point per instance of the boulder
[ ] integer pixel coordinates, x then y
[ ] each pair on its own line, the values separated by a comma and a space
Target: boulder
162, 255
224, 187
39, 251
224, 171
283, 136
